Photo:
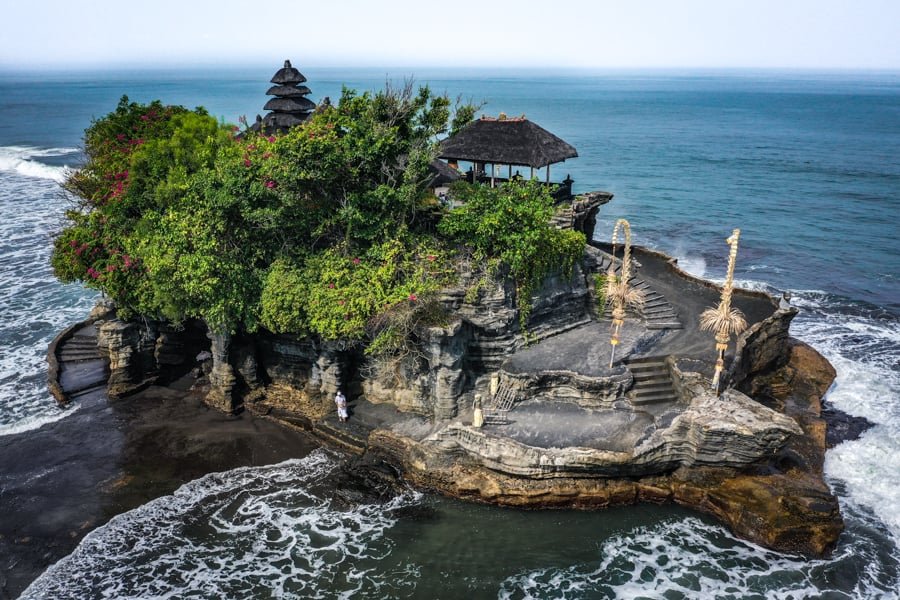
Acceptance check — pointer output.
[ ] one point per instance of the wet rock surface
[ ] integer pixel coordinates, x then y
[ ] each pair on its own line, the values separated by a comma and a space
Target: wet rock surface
61, 481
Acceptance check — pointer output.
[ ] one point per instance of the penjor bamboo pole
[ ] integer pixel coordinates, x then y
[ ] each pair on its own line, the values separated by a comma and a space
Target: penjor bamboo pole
723, 335
618, 313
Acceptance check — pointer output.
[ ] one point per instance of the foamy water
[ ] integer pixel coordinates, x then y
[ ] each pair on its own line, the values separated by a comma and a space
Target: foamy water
34, 307
252, 532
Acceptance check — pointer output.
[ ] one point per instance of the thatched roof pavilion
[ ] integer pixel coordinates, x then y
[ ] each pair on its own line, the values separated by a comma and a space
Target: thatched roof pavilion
289, 107
505, 141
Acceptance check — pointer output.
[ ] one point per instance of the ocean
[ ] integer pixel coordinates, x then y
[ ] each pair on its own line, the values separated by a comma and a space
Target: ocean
807, 164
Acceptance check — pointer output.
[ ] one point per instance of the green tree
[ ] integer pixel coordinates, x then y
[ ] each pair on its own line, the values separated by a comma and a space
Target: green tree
512, 223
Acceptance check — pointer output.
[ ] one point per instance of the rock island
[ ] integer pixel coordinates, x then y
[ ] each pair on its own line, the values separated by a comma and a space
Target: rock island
422, 261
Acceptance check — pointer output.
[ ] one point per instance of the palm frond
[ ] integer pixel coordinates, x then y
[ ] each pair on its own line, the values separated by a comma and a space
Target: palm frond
619, 293
717, 319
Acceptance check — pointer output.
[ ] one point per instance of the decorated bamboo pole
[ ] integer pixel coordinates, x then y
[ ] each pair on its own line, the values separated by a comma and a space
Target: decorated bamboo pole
617, 290
723, 319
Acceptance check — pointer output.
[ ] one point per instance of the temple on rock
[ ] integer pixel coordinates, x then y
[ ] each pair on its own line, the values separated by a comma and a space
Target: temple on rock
575, 402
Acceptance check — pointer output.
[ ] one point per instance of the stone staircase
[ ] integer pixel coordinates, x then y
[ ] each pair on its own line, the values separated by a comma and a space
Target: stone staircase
652, 381
82, 369
657, 312
80, 347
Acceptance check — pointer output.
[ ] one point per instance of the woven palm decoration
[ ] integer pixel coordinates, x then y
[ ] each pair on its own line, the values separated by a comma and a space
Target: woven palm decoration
723, 319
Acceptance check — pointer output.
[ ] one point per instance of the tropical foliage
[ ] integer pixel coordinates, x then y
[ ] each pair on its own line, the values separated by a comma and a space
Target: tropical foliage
326, 230
512, 223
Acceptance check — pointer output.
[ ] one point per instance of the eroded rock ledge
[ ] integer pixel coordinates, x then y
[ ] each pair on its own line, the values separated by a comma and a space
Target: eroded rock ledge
781, 503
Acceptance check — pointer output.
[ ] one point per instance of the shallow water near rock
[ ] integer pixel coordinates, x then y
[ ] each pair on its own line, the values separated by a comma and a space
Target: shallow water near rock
806, 164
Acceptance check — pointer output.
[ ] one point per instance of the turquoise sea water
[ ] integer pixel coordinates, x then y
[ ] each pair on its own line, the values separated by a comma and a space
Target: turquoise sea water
806, 164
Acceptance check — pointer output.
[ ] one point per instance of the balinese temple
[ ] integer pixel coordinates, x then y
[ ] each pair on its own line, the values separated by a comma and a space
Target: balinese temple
513, 143
290, 106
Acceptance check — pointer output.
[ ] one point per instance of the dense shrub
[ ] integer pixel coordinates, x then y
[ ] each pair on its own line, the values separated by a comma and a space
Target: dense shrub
512, 223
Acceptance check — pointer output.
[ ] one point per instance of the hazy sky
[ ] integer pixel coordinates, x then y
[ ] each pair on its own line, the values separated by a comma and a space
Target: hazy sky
604, 33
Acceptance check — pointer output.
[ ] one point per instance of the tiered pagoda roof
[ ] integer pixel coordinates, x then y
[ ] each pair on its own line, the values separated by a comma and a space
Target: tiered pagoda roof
290, 106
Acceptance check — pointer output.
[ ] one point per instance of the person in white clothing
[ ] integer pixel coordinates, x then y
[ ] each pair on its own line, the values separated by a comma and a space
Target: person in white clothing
341, 401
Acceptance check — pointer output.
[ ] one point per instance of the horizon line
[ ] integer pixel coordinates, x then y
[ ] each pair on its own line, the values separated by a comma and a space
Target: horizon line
219, 66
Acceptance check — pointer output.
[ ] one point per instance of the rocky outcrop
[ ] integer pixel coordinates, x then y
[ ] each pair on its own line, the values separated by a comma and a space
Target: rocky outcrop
780, 501
727, 431
569, 386
761, 349
129, 348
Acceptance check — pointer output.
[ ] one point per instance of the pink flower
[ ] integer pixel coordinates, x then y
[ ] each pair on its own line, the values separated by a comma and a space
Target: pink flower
267, 155
251, 147
247, 162
355, 261
271, 138
341, 302
431, 257
413, 298
120, 136
110, 268
145, 118
73, 243
331, 286
270, 184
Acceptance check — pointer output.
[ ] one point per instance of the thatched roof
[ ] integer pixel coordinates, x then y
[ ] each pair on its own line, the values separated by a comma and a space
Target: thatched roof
507, 142
283, 91
442, 173
291, 104
288, 74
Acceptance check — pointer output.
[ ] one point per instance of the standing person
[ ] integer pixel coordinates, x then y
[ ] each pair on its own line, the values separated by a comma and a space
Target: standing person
341, 401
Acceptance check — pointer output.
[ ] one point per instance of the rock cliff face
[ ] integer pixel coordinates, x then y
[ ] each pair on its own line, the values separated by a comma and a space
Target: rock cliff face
781, 502
144, 352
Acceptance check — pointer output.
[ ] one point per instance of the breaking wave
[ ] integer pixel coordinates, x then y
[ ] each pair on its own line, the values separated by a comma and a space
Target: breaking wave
251, 532
18, 160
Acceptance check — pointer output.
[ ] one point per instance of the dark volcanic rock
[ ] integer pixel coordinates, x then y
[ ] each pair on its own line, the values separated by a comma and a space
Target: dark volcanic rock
842, 427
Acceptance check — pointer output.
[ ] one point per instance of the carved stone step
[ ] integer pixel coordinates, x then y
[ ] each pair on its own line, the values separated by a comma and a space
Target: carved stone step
652, 387
80, 342
653, 310
655, 399
86, 389
636, 367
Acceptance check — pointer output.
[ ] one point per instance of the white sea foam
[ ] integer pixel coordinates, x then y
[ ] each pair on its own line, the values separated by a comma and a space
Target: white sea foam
692, 559
695, 265
34, 307
864, 347
18, 159
250, 532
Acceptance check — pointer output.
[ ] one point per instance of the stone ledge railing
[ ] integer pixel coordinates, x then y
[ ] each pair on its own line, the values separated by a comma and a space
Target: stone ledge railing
569, 386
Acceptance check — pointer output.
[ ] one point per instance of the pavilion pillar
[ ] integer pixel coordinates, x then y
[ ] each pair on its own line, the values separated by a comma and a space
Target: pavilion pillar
532, 173
548, 173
